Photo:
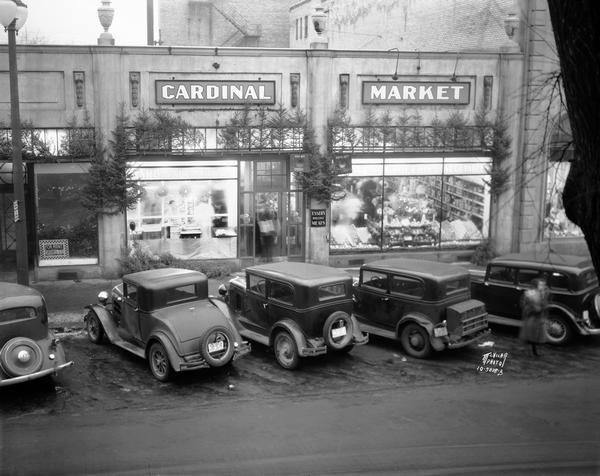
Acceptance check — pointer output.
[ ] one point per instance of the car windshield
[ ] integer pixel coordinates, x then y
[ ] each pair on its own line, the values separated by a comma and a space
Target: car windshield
17, 314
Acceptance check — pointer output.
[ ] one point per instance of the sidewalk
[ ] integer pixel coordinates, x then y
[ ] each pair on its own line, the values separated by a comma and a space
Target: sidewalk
66, 300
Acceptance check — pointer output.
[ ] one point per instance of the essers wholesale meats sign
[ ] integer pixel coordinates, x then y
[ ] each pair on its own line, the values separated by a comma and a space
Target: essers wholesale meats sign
214, 92
415, 92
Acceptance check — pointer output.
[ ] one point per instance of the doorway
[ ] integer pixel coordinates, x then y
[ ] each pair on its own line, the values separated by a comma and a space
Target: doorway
270, 224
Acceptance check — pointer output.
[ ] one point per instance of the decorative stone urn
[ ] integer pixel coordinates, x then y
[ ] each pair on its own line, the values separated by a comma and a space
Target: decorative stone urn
106, 14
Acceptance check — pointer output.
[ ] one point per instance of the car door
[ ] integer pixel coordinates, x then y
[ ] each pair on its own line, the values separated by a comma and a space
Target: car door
405, 293
373, 297
280, 301
256, 317
502, 295
130, 315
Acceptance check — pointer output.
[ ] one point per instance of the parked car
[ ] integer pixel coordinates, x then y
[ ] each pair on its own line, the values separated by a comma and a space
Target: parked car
166, 316
574, 304
28, 349
298, 309
425, 305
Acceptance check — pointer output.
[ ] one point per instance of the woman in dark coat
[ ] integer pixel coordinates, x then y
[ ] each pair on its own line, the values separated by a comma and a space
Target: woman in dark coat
534, 306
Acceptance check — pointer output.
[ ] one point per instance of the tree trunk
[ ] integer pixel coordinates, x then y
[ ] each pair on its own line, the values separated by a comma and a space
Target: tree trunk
577, 36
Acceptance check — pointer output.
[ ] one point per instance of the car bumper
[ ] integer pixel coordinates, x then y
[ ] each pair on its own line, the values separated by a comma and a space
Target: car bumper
243, 349
35, 375
588, 331
470, 339
360, 339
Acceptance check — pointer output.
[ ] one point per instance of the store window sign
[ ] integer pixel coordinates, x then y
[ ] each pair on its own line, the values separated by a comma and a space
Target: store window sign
215, 92
317, 218
413, 92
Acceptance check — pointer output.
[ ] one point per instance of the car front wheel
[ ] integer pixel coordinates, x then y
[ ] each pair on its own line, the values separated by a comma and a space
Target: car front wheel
158, 359
286, 351
94, 328
558, 330
415, 341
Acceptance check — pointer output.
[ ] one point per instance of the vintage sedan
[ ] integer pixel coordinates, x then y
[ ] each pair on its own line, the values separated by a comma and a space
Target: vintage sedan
574, 304
28, 349
425, 305
167, 317
298, 309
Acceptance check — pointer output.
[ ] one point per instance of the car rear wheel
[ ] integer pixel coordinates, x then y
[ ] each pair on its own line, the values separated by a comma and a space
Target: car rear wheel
337, 330
21, 356
217, 346
558, 330
158, 359
286, 351
93, 326
415, 341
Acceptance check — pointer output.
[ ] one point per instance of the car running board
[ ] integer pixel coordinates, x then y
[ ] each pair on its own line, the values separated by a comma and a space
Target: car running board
255, 336
128, 346
377, 331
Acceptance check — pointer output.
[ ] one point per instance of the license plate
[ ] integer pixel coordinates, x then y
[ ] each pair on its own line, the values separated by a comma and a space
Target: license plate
440, 332
216, 346
338, 332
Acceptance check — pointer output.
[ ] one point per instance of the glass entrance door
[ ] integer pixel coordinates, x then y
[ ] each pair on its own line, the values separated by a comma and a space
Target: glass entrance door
270, 223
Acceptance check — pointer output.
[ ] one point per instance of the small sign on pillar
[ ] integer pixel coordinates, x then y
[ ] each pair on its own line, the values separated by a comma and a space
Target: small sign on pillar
318, 218
16, 211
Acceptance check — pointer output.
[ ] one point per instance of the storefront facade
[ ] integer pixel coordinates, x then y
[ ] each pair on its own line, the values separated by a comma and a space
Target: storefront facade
414, 164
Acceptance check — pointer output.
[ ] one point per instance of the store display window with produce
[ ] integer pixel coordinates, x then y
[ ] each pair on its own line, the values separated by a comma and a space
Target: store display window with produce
396, 210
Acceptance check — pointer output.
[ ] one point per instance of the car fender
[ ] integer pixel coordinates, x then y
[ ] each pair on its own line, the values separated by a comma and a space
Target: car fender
163, 338
291, 327
422, 320
106, 319
232, 319
565, 311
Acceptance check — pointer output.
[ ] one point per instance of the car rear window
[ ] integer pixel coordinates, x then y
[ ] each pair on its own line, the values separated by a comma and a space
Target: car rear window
457, 285
331, 291
180, 294
17, 314
281, 292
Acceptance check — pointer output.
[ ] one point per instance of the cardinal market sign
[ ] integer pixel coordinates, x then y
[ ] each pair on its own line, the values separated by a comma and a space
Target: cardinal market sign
214, 92
415, 92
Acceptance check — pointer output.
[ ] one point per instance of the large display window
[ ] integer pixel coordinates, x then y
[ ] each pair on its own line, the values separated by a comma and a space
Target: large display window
187, 209
556, 223
66, 233
397, 203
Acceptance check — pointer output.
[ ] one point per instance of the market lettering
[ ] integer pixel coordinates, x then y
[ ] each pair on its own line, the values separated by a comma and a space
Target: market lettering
401, 92
217, 92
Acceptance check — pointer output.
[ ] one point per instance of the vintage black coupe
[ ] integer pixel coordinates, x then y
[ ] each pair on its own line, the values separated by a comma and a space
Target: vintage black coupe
574, 306
298, 309
425, 305
166, 316
28, 349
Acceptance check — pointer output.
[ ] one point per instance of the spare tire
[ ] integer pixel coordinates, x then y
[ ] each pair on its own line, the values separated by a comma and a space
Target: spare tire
217, 346
338, 330
21, 356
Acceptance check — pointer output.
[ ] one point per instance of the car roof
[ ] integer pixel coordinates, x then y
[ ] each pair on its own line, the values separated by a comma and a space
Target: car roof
418, 267
550, 260
165, 277
305, 273
16, 295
